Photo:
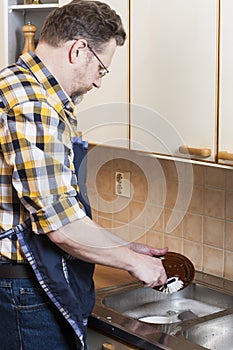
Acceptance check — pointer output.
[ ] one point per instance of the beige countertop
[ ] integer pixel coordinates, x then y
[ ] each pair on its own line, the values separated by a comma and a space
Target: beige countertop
107, 276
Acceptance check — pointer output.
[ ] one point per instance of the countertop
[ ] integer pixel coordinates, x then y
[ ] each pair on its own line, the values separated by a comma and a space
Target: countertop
106, 277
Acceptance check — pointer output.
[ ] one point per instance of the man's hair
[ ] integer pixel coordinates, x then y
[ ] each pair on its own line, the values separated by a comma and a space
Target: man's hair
94, 21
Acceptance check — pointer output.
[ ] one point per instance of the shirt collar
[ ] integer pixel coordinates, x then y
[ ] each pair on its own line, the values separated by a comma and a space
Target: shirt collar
30, 61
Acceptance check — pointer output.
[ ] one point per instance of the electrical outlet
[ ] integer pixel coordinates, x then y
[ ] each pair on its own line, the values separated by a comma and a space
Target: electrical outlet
122, 183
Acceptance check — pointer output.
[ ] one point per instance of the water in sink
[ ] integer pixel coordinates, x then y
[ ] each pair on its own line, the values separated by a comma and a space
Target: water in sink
141, 302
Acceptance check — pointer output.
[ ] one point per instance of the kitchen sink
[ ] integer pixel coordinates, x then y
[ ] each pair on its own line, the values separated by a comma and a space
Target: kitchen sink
196, 318
152, 306
214, 334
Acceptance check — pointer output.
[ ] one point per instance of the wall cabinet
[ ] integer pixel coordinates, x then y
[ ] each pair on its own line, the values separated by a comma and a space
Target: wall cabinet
170, 86
103, 114
173, 76
225, 150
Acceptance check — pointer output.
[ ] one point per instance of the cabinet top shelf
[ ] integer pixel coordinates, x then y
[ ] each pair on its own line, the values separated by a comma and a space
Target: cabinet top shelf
31, 7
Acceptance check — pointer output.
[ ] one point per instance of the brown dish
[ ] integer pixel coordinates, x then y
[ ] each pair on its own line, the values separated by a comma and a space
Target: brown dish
178, 265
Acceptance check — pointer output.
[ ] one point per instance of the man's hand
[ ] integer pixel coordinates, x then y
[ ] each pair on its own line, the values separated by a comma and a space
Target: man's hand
147, 250
149, 270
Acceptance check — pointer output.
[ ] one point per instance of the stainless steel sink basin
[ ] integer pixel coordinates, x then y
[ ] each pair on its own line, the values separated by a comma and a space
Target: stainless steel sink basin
214, 334
206, 307
142, 302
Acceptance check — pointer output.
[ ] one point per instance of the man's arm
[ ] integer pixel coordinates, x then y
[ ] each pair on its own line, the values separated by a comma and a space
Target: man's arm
85, 240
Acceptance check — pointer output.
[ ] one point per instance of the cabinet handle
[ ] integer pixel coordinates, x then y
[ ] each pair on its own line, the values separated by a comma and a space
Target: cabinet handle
108, 346
201, 152
225, 155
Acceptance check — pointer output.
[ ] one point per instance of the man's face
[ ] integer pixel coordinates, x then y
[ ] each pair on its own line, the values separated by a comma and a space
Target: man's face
89, 73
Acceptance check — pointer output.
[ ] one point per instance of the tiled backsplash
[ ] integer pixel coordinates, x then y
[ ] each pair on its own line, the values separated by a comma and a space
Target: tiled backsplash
184, 206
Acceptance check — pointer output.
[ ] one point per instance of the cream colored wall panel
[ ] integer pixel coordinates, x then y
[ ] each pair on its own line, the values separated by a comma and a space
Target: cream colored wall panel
103, 114
226, 83
173, 74
3, 33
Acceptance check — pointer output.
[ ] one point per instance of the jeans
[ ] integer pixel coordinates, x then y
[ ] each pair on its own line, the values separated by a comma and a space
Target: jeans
30, 321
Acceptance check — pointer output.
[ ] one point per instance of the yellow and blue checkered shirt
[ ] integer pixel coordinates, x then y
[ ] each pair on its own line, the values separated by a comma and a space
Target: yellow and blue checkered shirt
37, 179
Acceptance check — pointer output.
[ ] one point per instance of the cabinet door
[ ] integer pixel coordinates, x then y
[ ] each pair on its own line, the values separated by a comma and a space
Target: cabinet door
173, 76
226, 83
103, 114
100, 341
3, 33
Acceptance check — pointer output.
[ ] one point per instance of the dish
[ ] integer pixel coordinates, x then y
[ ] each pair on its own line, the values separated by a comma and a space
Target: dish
156, 319
178, 265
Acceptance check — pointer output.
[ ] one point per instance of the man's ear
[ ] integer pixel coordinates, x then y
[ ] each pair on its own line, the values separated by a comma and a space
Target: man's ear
77, 49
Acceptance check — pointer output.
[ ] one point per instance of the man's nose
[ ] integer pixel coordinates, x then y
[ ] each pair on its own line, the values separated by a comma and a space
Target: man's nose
97, 83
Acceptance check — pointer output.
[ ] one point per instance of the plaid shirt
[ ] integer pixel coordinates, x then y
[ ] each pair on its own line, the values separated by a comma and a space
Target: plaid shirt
37, 178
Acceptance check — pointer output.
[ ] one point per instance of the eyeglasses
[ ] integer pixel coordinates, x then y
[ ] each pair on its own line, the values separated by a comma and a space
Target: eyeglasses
104, 69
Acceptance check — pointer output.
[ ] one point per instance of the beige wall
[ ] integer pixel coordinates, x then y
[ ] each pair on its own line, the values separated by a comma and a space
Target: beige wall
204, 233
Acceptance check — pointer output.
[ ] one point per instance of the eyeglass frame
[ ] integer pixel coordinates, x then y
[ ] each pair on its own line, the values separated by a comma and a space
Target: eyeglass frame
101, 63
98, 59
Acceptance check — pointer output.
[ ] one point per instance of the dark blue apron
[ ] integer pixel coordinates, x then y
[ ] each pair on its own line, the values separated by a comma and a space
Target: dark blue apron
67, 281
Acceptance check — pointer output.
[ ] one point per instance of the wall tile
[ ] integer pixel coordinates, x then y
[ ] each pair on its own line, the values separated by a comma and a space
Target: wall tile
105, 207
194, 251
139, 185
155, 239
229, 205
214, 204
215, 177
170, 170
121, 207
93, 198
214, 232
121, 230
121, 164
229, 236
193, 227
104, 180
106, 223
228, 273
157, 191
175, 244
173, 222
198, 174
137, 233
154, 216
197, 201
213, 260
171, 194
229, 180
137, 213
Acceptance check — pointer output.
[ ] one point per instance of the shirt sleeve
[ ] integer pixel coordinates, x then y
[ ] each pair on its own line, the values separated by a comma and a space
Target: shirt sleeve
37, 147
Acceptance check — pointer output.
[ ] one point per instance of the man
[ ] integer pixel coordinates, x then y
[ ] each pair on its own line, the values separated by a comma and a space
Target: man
48, 244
